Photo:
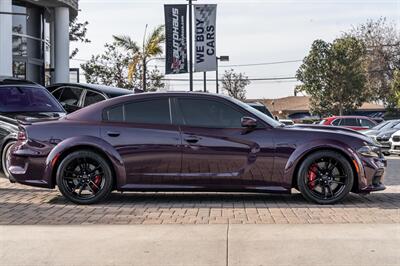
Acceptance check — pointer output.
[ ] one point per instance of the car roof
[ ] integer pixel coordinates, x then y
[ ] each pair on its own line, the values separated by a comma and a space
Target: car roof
348, 116
109, 90
92, 111
6, 80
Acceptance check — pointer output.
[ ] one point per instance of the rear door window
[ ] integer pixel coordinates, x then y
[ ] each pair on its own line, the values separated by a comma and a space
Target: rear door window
155, 111
336, 122
71, 96
148, 112
92, 97
350, 122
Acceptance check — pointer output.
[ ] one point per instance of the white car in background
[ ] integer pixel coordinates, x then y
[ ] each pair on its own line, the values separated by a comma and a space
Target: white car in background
395, 140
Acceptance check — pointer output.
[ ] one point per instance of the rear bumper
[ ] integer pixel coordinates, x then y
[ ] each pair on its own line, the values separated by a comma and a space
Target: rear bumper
28, 167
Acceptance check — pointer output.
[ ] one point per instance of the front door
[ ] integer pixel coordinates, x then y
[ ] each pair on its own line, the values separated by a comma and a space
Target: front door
217, 151
142, 133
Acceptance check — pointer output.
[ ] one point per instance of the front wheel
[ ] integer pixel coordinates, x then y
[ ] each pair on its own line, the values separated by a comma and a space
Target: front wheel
325, 177
84, 177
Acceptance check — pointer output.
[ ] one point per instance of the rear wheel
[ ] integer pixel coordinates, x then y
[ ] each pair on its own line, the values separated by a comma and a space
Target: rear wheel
84, 177
5, 163
325, 177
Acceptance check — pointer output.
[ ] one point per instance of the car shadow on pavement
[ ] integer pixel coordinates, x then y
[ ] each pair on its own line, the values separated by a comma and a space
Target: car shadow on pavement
237, 200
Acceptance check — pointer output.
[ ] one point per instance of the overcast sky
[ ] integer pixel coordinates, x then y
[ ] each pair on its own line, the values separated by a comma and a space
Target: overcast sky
250, 32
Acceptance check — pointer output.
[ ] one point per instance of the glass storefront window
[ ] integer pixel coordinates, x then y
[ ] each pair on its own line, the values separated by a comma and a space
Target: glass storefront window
28, 42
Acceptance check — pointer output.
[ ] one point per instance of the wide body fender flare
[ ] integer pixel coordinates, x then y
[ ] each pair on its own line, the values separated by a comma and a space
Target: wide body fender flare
304, 149
85, 142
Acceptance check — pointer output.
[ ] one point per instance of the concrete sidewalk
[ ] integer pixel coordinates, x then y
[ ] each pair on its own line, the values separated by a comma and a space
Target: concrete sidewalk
201, 245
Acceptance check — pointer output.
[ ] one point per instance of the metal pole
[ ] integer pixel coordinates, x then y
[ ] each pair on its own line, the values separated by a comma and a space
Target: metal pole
216, 78
205, 81
190, 46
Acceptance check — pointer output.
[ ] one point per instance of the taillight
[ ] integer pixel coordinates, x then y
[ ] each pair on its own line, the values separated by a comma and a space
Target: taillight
22, 135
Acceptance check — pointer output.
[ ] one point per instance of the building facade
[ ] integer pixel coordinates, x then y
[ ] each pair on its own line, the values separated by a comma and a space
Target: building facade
34, 39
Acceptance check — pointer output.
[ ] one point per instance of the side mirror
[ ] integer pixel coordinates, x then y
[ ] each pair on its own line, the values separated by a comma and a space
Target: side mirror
249, 122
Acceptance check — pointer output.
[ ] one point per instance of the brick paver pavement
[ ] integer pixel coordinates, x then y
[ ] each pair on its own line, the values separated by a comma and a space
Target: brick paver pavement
25, 205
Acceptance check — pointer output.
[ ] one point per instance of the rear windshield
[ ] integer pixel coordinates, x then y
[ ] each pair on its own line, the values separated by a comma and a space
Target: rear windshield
27, 99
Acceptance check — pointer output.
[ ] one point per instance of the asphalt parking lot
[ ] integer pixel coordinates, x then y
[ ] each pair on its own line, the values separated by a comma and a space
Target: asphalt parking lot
26, 205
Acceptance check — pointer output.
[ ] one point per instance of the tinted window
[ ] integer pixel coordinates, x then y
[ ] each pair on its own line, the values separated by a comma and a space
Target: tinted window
208, 113
351, 122
148, 112
115, 113
366, 123
70, 96
336, 122
27, 99
57, 93
92, 97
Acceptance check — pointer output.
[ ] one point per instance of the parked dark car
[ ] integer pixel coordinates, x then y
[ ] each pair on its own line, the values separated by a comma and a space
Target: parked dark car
262, 108
22, 98
74, 96
191, 142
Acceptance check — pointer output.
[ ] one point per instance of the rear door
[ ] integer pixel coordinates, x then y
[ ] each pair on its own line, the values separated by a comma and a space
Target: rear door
216, 150
149, 144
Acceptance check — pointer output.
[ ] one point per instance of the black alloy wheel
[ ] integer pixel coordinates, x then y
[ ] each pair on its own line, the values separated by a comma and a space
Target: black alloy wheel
84, 177
325, 177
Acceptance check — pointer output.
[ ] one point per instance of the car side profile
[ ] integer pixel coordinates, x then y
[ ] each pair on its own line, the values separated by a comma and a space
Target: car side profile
74, 96
180, 141
352, 122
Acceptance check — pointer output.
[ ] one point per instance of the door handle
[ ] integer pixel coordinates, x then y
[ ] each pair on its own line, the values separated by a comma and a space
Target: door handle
113, 133
192, 139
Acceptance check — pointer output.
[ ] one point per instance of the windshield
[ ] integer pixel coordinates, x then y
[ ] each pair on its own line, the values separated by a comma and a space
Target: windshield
381, 125
27, 100
259, 114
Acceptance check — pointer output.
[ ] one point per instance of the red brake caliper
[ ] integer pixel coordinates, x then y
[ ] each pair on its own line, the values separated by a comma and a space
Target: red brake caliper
312, 174
96, 181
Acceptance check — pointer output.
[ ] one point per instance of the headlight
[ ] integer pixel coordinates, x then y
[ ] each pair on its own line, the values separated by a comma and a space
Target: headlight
369, 151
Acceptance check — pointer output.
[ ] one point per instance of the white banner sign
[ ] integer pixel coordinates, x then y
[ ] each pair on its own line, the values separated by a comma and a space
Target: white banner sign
205, 50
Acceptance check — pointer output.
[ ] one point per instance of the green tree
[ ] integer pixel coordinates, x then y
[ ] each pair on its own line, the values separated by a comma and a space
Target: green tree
382, 41
109, 68
395, 89
77, 33
152, 47
235, 84
333, 74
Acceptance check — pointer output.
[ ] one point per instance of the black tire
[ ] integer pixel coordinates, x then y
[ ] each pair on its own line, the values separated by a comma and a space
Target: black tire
4, 155
81, 170
319, 183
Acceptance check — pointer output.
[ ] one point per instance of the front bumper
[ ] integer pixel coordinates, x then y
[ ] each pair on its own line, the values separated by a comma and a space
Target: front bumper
374, 173
385, 146
395, 149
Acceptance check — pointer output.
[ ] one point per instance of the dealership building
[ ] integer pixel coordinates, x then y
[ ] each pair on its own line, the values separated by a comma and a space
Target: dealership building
34, 39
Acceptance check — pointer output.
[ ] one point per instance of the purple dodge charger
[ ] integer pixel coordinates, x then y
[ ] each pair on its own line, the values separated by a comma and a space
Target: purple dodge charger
191, 142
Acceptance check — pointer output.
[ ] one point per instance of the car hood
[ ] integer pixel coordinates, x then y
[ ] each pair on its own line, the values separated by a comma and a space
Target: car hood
388, 132
337, 130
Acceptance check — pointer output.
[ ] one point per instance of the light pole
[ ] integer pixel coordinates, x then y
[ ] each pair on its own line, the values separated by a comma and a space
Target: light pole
222, 58
191, 44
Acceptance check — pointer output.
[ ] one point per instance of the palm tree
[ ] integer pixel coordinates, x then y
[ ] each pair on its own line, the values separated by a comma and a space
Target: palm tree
152, 47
